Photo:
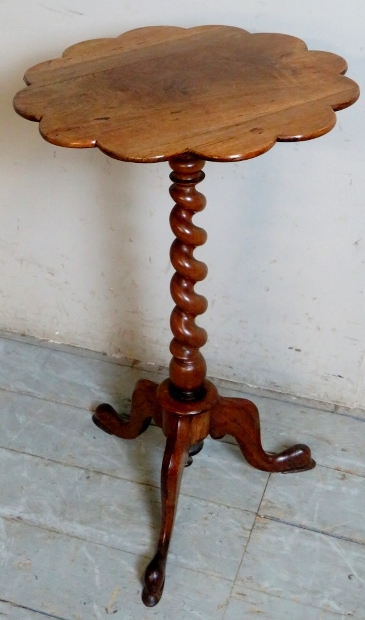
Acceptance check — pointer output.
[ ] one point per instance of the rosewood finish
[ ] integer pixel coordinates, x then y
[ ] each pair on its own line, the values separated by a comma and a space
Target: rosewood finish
218, 92
207, 93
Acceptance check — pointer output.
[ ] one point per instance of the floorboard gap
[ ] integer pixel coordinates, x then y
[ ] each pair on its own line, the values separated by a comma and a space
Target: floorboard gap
311, 529
36, 611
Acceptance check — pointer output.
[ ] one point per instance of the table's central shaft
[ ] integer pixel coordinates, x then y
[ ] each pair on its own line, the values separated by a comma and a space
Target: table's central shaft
187, 367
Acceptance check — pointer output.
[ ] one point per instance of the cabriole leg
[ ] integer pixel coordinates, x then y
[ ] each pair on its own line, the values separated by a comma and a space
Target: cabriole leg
240, 418
144, 408
175, 457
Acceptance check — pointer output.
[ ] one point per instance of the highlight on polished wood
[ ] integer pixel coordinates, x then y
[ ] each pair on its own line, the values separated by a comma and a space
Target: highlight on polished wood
187, 95
186, 405
218, 92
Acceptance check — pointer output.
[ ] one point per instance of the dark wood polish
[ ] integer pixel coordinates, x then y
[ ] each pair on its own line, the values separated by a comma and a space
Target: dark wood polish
240, 418
175, 457
187, 95
218, 92
144, 408
187, 367
190, 406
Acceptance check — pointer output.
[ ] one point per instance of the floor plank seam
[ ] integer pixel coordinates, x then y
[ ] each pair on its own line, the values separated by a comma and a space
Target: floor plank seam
237, 597
160, 369
46, 400
114, 476
157, 486
311, 529
248, 540
349, 415
20, 519
83, 468
342, 470
36, 611
339, 413
172, 557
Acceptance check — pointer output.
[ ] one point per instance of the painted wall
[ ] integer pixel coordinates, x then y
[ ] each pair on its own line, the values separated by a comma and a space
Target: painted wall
84, 239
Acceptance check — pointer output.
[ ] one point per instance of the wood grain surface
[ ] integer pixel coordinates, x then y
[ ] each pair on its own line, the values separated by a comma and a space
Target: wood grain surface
217, 92
213, 92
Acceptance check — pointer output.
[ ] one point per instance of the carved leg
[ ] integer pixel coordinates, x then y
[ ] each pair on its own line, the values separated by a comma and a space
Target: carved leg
175, 457
240, 418
144, 408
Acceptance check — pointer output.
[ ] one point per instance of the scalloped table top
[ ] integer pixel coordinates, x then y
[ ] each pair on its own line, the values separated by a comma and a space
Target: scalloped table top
218, 92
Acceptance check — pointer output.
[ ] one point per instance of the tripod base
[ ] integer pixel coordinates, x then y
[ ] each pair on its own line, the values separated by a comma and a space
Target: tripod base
186, 425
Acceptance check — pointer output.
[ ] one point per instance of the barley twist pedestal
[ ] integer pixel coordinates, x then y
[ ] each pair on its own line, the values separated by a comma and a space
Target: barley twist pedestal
185, 96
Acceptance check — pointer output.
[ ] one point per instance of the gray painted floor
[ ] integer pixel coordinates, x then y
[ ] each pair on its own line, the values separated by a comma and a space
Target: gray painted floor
80, 510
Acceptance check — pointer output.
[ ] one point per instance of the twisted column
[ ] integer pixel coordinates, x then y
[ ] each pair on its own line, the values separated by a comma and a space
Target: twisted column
187, 367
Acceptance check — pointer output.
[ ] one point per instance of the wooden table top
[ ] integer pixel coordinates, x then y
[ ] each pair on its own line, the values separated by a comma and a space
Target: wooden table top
218, 92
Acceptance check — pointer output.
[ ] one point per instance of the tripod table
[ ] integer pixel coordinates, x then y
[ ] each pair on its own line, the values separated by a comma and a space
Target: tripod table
185, 96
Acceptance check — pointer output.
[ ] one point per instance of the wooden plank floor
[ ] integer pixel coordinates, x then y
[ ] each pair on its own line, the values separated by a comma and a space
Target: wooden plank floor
80, 510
